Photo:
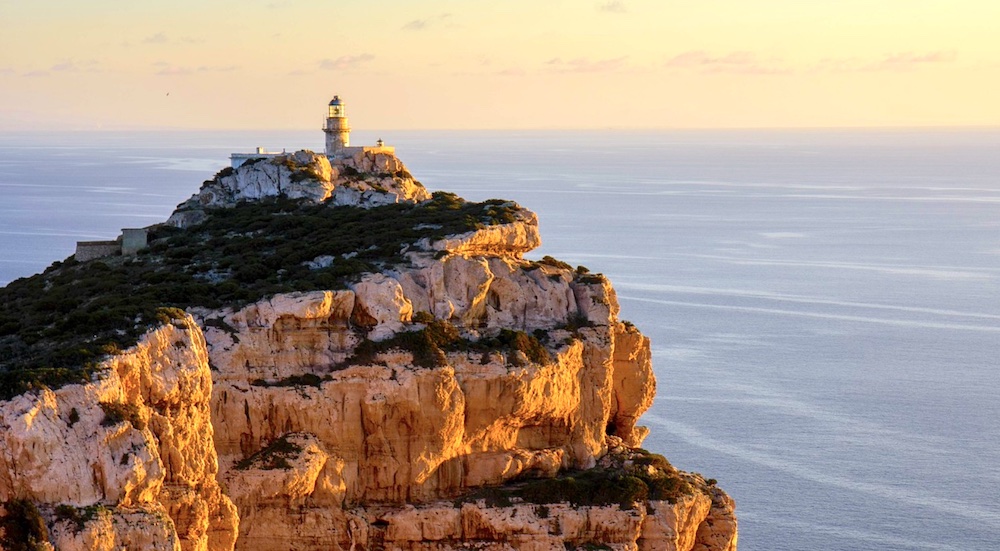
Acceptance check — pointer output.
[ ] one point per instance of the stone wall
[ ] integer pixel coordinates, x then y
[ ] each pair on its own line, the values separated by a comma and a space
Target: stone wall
89, 250
130, 242
134, 240
353, 150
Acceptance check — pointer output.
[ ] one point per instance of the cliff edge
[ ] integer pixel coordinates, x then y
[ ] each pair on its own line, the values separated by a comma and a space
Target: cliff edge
316, 355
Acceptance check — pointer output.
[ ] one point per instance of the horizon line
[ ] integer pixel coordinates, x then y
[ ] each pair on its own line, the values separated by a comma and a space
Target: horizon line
527, 129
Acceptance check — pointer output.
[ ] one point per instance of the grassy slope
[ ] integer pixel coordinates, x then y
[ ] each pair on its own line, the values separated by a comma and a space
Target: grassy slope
55, 326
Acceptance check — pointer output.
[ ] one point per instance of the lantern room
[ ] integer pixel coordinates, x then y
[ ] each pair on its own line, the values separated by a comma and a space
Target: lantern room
336, 109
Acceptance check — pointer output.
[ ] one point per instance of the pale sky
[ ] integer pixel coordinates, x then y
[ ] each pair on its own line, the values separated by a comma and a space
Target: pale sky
400, 64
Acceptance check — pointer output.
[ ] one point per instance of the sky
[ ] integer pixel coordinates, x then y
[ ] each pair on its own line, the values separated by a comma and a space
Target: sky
498, 64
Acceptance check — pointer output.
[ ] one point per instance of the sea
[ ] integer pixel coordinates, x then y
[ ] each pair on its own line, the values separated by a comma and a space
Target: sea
823, 305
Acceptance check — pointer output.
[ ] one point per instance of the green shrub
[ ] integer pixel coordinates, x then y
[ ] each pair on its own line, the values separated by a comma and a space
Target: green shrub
422, 317
430, 345
22, 527
530, 345
78, 516
168, 314
119, 412
13, 383
587, 278
666, 487
649, 477
423, 345
305, 379
576, 321
494, 496
273, 456
593, 487
549, 261
655, 460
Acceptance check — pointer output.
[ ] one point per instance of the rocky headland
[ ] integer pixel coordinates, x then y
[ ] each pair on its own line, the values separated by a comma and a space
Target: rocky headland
313, 355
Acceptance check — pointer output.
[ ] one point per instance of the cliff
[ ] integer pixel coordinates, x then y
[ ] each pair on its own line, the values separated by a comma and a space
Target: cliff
347, 362
126, 461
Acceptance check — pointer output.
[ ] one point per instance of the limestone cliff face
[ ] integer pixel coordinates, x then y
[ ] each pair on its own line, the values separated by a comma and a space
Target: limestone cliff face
367, 179
416, 409
127, 461
377, 445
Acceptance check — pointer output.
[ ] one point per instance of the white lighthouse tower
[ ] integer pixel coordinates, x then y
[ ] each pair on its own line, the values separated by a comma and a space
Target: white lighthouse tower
338, 131
338, 140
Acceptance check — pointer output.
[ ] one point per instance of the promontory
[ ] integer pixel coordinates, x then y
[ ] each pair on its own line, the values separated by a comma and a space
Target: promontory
316, 353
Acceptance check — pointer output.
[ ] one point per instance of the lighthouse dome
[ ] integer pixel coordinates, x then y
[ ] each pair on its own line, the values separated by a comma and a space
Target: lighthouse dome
336, 101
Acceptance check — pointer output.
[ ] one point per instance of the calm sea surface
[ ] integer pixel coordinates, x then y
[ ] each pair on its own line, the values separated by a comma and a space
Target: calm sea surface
824, 306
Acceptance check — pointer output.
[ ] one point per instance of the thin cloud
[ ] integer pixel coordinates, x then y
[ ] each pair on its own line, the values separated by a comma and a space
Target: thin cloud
415, 25
218, 68
511, 73
166, 69
585, 65
910, 60
421, 24
700, 58
346, 62
72, 66
741, 62
34, 74
905, 61
615, 6
174, 71
449, 22
748, 63
158, 38
838, 65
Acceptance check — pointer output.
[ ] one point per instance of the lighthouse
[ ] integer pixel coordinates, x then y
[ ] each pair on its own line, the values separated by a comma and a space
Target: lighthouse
338, 140
338, 131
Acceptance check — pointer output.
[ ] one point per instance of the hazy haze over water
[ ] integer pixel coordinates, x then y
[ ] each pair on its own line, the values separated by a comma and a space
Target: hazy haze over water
824, 306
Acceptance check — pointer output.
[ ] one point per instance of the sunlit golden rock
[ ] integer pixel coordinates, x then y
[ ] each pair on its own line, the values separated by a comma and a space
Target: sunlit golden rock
130, 455
403, 411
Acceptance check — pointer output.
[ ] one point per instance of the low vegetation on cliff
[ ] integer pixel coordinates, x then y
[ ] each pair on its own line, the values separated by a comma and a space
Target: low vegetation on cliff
273, 456
55, 326
22, 527
625, 479
430, 344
